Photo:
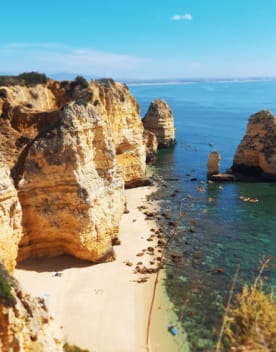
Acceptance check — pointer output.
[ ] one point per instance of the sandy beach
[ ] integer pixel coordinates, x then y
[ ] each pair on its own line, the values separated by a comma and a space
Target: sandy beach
102, 307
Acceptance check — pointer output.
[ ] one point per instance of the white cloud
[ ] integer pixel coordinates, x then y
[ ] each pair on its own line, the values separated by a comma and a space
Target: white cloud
54, 57
185, 17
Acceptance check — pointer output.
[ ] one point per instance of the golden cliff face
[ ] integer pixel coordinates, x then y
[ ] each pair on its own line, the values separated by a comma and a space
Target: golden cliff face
121, 112
10, 218
66, 155
256, 154
70, 166
151, 144
71, 190
159, 120
25, 324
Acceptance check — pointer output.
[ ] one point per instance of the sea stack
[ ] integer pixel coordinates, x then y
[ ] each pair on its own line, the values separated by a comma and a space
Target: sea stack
159, 120
256, 155
213, 164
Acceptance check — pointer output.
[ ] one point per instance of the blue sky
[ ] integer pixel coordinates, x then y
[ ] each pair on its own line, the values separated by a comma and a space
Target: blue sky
143, 39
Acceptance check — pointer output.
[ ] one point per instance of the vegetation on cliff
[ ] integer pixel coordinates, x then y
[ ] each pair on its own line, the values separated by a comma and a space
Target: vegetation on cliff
24, 79
72, 348
6, 296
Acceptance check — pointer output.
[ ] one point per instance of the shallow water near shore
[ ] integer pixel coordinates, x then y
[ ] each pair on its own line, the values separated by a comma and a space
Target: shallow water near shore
217, 231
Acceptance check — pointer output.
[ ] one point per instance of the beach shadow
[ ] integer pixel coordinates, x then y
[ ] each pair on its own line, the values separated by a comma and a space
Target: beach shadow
52, 264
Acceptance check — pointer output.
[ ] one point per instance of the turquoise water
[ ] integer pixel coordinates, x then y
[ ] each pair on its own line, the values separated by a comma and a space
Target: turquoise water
218, 231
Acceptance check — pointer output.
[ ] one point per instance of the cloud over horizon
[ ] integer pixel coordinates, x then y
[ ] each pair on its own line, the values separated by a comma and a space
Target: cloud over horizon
55, 57
185, 17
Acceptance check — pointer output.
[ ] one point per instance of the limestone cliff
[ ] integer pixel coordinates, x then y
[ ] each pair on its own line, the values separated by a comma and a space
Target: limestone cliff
159, 120
256, 154
10, 218
25, 324
71, 190
70, 167
29, 110
150, 141
120, 110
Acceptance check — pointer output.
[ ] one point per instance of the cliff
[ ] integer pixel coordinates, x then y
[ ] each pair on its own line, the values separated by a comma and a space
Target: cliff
71, 150
256, 154
10, 218
159, 120
25, 324
71, 188
150, 141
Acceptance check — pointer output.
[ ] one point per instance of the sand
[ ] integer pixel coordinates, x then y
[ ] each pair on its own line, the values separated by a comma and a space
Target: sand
102, 307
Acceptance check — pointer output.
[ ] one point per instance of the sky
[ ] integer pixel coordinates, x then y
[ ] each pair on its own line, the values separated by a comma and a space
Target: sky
140, 39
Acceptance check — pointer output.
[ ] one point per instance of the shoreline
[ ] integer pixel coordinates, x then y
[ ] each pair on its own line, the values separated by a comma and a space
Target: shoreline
102, 307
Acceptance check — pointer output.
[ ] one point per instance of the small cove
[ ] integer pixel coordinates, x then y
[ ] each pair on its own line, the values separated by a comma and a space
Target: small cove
218, 231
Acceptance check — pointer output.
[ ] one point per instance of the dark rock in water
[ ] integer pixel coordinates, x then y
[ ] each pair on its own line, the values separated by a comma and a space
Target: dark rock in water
177, 258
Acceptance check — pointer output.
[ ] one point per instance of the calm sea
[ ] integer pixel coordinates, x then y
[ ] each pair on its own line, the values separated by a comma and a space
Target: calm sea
218, 231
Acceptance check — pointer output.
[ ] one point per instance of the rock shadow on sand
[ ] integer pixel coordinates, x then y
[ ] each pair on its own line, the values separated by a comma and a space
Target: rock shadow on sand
52, 264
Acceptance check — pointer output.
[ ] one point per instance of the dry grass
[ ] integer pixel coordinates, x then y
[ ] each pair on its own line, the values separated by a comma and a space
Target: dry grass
251, 323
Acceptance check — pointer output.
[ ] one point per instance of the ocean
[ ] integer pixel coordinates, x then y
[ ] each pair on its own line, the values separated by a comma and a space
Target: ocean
217, 232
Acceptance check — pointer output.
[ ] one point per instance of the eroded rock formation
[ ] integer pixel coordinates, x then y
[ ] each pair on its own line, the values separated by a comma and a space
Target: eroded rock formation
256, 154
71, 189
213, 164
10, 218
120, 110
150, 141
70, 167
25, 324
159, 120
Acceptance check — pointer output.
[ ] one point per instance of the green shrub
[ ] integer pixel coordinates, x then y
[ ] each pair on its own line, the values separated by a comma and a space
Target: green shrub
6, 296
81, 82
3, 93
71, 348
31, 78
25, 78
81, 102
106, 82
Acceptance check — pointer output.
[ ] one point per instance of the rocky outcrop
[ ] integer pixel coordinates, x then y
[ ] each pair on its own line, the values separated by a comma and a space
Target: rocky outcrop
10, 218
25, 324
29, 110
256, 154
120, 110
70, 167
213, 164
150, 141
159, 120
71, 190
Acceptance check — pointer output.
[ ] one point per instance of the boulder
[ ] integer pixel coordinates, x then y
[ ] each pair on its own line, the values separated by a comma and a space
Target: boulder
159, 120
